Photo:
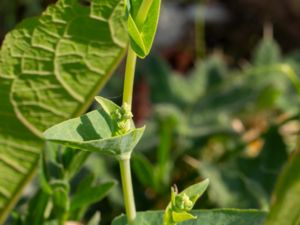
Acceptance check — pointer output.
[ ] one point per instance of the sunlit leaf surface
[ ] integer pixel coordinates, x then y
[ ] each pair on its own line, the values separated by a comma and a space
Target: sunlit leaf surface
204, 217
50, 69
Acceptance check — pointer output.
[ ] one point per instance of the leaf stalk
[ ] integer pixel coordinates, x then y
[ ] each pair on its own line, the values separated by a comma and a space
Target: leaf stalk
127, 105
129, 79
127, 190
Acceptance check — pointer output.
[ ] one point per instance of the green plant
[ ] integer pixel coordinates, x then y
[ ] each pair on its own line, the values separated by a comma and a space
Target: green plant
53, 66
110, 130
181, 203
37, 63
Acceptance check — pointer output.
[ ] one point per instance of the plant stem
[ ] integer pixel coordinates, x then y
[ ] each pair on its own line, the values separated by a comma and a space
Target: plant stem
127, 190
129, 79
125, 163
127, 105
131, 57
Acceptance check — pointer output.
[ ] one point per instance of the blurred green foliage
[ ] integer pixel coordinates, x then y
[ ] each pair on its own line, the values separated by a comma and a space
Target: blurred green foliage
233, 125
225, 123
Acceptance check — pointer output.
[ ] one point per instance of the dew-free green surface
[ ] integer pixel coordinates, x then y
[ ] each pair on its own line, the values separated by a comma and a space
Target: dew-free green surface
175, 214
50, 69
204, 217
96, 132
142, 35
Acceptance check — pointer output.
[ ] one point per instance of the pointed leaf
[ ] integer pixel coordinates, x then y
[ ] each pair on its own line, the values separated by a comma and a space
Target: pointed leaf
183, 202
137, 41
95, 132
142, 35
195, 191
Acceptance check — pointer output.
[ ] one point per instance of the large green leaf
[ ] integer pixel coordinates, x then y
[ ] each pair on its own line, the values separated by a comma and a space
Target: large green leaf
204, 217
286, 208
97, 131
50, 69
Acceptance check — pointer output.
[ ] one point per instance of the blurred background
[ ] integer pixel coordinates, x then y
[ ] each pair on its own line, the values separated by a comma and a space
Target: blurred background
219, 97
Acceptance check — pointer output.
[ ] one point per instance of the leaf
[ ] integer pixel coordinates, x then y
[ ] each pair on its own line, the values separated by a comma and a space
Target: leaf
182, 216
196, 190
204, 217
285, 208
142, 35
84, 184
73, 161
136, 38
144, 170
96, 131
90, 195
50, 69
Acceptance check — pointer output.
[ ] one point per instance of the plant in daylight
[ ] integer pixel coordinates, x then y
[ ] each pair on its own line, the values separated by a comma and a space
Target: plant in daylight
110, 130
51, 68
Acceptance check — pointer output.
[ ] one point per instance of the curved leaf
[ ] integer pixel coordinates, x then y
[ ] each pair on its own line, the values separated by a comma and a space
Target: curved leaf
142, 35
204, 217
96, 131
195, 191
50, 69
181, 204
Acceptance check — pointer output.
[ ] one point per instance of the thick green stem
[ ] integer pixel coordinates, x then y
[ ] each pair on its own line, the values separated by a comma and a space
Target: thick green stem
129, 79
127, 190
127, 105
125, 163
131, 57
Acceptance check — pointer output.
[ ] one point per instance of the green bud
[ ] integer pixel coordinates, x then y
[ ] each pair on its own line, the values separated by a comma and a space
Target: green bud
183, 203
122, 118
